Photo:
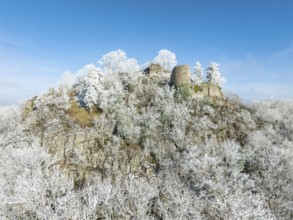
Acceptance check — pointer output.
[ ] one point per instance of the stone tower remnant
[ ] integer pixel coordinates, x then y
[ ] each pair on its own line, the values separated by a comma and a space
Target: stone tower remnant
154, 69
180, 75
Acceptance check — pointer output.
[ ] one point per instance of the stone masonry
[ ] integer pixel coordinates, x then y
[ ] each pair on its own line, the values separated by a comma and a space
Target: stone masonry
154, 69
207, 89
180, 75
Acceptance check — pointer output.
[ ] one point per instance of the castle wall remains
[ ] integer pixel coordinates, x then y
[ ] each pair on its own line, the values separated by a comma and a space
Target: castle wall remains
207, 90
154, 69
180, 75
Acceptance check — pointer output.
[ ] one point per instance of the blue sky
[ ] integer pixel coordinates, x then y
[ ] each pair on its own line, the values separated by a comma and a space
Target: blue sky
251, 39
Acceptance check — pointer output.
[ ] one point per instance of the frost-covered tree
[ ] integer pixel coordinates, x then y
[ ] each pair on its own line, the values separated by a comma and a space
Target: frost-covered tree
213, 75
128, 125
8, 117
117, 62
67, 81
112, 96
93, 85
166, 59
196, 76
54, 97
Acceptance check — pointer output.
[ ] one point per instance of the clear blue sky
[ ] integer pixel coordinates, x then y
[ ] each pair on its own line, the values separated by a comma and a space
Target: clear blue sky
251, 39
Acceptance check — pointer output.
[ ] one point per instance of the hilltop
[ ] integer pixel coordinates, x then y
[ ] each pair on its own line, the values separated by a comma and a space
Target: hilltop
112, 142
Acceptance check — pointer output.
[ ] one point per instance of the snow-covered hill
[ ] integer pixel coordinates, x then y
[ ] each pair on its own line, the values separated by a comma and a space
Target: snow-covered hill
126, 146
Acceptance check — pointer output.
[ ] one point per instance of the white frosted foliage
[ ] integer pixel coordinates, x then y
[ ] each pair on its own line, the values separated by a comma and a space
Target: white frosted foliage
214, 76
166, 59
197, 73
93, 85
117, 62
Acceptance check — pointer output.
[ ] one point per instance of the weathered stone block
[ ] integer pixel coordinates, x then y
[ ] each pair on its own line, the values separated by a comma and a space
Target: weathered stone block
154, 69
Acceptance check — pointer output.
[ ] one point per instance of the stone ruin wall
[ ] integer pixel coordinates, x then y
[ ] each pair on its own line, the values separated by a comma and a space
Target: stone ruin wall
154, 70
209, 90
215, 91
181, 76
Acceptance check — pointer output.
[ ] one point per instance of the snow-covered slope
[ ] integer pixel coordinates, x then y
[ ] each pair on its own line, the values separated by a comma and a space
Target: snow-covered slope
124, 146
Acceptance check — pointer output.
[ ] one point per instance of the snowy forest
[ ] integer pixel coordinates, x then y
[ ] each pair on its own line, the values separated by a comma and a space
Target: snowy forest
109, 142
